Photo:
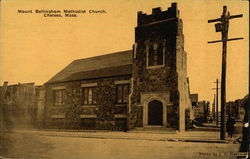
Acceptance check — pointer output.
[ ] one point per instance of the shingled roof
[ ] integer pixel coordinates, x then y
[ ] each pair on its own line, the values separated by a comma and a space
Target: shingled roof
115, 64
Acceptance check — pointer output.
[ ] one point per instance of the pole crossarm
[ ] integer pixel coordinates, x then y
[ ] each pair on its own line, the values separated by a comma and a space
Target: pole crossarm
236, 16
216, 41
215, 88
214, 20
229, 17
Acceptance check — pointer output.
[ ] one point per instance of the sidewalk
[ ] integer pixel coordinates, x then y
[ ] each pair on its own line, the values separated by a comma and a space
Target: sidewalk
188, 136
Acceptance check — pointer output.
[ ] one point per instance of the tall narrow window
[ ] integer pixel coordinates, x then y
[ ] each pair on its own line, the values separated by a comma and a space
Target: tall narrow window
63, 95
155, 55
122, 91
89, 95
59, 97
85, 96
94, 95
160, 55
125, 93
151, 56
119, 93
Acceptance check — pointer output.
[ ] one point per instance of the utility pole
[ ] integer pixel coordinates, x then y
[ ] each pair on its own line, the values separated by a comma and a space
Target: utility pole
217, 101
222, 27
213, 109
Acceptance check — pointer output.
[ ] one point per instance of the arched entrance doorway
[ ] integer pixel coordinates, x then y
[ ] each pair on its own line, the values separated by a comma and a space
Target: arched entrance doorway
155, 113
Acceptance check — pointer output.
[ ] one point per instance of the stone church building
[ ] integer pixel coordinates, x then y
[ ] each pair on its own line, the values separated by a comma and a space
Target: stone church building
146, 87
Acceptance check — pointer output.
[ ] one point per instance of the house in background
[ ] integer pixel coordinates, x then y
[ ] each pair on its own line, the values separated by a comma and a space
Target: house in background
20, 105
201, 109
194, 99
234, 108
146, 87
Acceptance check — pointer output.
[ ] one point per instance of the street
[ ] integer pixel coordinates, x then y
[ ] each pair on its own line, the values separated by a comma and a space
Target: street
108, 145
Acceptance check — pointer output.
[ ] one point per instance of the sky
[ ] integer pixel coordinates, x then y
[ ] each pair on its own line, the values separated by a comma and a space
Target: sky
33, 48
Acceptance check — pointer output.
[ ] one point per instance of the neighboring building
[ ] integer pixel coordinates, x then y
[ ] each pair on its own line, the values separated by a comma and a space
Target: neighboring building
233, 108
194, 99
143, 87
202, 111
20, 105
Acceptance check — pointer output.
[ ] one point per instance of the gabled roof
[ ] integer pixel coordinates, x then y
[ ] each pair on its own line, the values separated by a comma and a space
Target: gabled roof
119, 63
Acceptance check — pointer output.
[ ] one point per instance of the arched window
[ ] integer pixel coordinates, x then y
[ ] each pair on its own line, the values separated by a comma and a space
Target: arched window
151, 56
160, 55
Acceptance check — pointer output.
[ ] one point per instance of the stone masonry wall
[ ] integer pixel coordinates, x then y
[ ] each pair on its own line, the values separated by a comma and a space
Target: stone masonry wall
72, 110
181, 67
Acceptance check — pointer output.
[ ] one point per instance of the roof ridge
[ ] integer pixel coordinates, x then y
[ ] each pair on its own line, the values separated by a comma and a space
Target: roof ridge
103, 55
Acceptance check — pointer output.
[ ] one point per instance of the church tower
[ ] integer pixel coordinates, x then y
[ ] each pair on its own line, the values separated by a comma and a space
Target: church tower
159, 89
